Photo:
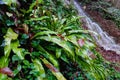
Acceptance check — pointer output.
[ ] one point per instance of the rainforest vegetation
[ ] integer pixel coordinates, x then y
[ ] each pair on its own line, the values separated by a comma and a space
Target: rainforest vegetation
45, 40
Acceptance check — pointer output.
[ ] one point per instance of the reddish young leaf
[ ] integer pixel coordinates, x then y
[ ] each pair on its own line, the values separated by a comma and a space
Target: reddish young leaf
81, 42
59, 35
7, 71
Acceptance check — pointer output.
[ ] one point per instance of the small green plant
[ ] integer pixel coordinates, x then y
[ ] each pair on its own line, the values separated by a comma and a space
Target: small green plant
114, 14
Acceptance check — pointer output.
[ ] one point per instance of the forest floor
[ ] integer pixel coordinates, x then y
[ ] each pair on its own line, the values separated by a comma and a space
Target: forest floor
109, 27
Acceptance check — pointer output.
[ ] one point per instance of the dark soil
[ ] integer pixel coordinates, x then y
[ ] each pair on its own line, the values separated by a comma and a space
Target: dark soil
109, 55
107, 25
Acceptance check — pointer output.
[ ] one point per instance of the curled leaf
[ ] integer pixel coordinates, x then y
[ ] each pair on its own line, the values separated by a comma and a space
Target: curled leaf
7, 71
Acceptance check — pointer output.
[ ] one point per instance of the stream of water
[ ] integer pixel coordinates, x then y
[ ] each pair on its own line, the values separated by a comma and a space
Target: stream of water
104, 40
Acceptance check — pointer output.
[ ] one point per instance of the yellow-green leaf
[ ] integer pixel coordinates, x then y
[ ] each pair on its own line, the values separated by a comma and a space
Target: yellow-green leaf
39, 67
16, 50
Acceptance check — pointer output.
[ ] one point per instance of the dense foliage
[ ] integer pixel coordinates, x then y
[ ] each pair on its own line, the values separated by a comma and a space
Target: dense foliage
44, 40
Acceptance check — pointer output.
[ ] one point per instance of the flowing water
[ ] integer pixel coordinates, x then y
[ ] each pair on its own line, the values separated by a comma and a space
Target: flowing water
104, 40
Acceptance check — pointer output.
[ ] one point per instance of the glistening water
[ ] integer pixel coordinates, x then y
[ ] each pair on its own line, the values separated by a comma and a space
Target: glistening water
104, 40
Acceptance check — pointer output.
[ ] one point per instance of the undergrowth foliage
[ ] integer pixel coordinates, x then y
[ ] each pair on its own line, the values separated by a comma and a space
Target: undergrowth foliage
43, 38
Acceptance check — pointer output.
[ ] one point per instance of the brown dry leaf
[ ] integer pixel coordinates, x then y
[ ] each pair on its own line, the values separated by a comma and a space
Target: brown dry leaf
25, 26
7, 71
51, 67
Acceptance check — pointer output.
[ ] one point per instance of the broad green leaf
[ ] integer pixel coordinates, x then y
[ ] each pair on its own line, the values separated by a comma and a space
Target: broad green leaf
83, 53
64, 58
44, 33
15, 58
3, 76
44, 28
63, 21
10, 35
58, 52
38, 19
73, 39
78, 31
16, 50
16, 71
59, 42
49, 56
7, 50
3, 61
54, 61
12, 43
83, 31
69, 28
89, 45
39, 67
55, 72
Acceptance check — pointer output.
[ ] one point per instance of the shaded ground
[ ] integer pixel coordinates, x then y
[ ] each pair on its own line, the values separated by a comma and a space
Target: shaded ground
110, 56
110, 27
107, 25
